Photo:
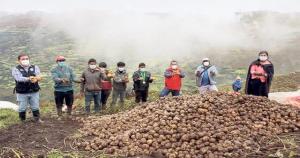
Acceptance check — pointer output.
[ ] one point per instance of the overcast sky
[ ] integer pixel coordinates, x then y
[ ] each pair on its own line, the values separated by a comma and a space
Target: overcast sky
170, 6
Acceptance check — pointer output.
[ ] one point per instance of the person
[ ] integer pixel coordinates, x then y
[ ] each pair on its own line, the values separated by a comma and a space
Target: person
260, 75
173, 78
237, 85
91, 85
63, 77
119, 84
106, 84
141, 81
27, 77
205, 76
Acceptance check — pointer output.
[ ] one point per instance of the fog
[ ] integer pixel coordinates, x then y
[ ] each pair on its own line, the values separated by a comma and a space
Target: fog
165, 36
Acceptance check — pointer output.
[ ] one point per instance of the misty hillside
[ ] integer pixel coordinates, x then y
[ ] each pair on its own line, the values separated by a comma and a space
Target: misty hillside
44, 36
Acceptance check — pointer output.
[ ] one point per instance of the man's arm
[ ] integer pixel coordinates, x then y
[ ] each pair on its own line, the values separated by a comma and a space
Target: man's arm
17, 75
168, 74
135, 76
181, 74
82, 83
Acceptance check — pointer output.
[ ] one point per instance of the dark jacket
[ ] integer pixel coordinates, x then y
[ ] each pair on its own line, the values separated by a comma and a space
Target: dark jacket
139, 83
92, 80
268, 68
26, 87
120, 80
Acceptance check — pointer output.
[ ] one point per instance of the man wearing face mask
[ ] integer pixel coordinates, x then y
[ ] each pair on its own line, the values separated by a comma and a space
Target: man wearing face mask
205, 76
91, 85
141, 79
63, 77
173, 76
27, 87
260, 75
106, 84
119, 84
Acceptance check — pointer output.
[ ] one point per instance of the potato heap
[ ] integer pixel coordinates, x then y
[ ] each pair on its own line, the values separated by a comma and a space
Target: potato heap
210, 125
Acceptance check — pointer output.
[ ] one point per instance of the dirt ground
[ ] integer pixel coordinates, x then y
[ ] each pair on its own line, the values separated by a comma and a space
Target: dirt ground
37, 139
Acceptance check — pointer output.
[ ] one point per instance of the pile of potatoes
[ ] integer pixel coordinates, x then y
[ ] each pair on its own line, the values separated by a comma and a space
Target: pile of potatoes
211, 125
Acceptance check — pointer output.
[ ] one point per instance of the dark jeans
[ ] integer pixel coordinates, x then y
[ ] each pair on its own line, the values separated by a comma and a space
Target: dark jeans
104, 96
116, 94
89, 96
258, 88
60, 97
141, 95
166, 92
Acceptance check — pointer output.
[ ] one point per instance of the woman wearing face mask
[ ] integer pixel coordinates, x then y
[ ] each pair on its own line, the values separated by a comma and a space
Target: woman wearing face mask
205, 76
91, 85
119, 84
63, 77
260, 75
173, 76
141, 81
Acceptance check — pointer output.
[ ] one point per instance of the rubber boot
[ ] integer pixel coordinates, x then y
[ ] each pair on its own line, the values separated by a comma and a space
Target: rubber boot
36, 116
69, 110
59, 112
103, 106
22, 116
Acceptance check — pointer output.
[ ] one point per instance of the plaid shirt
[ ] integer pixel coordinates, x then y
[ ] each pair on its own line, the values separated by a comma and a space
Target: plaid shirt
17, 75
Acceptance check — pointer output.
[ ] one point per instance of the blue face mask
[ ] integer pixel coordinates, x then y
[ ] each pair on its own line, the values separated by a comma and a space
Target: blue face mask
62, 63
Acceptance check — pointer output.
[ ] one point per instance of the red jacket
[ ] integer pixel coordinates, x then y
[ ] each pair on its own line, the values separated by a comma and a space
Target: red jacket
172, 80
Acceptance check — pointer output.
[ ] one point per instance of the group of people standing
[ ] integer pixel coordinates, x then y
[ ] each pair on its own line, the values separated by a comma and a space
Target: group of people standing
97, 82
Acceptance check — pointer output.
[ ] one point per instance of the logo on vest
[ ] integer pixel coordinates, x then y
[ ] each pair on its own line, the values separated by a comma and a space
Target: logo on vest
31, 69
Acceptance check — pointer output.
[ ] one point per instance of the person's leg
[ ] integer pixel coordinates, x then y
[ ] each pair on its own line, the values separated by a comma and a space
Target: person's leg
263, 90
175, 92
137, 96
59, 99
88, 99
145, 95
255, 87
97, 97
69, 96
202, 89
22, 100
114, 97
164, 92
122, 94
34, 102
104, 97
212, 88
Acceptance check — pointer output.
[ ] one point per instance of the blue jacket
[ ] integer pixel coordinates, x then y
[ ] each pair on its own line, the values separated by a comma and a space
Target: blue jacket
237, 85
212, 73
59, 73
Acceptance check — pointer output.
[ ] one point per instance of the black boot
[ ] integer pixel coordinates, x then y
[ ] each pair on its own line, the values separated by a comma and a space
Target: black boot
69, 110
36, 116
22, 116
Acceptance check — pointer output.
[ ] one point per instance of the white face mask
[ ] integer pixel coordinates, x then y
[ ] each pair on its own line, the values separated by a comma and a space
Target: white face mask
174, 67
142, 69
102, 68
25, 62
121, 68
263, 58
206, 63
92, 67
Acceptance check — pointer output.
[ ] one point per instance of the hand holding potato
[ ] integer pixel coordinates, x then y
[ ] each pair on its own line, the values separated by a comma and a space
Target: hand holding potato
33, 79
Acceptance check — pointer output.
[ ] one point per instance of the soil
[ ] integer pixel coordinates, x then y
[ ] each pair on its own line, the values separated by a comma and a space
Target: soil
37, 139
